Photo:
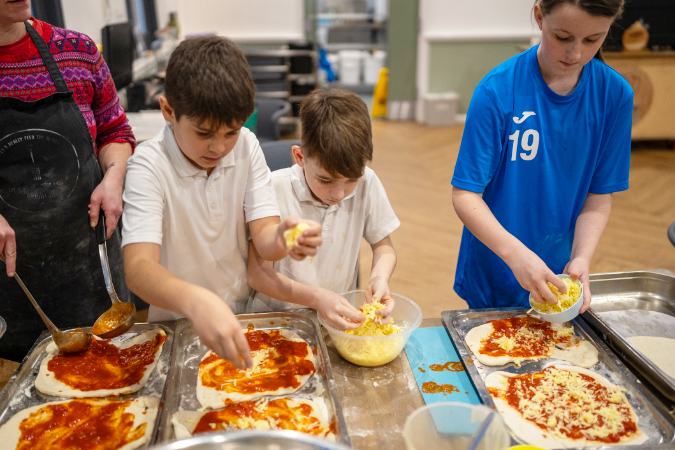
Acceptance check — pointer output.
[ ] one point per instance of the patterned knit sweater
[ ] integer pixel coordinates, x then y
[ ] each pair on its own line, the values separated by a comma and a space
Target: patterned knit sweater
23, 75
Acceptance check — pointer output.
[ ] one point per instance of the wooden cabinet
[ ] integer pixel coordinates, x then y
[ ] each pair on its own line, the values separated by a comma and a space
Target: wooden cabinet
652, 76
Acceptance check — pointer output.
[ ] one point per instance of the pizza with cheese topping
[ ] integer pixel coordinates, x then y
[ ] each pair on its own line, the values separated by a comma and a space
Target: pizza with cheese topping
83, 424
564, 406
106, 368
282, 363
517, 339
279, 414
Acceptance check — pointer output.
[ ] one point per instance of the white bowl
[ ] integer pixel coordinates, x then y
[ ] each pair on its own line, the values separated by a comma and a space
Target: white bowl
566, 315
356, 349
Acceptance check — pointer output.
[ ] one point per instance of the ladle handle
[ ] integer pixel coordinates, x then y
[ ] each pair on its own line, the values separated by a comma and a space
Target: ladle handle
52, 328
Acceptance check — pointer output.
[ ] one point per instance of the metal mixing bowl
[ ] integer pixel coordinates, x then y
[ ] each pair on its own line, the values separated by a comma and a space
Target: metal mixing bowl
253, 440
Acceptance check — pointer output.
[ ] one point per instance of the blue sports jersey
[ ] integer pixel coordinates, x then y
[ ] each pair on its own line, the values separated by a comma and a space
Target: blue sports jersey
535, 155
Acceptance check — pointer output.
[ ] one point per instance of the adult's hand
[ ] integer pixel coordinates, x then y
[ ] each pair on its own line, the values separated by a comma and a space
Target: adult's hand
108, 197
8, 246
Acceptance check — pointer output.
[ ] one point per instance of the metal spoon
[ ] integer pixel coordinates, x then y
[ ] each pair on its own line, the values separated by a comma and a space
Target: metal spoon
76, 341
122, 315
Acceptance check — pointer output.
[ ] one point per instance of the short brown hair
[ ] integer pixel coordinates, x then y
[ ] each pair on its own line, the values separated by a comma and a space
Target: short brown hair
336, 131
208, 78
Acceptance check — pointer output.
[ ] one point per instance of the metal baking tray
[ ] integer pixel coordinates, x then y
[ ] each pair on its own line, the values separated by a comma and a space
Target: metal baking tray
20, 392
181, 391
651, 413
629, 304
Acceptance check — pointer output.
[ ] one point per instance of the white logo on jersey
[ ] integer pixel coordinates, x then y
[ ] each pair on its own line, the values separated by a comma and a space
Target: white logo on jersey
526, 114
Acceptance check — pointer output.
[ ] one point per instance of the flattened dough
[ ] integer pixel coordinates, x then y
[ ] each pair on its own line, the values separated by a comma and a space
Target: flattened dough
213, 398
185, 422
143, 408
659, 350
48, 384
531, 433
583, 355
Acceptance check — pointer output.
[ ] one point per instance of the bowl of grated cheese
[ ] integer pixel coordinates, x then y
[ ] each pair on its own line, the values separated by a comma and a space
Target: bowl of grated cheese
373, 343
568, 305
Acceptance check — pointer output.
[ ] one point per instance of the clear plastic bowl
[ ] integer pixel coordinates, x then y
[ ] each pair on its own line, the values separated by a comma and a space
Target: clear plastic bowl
376, 351
566, 315
456, 426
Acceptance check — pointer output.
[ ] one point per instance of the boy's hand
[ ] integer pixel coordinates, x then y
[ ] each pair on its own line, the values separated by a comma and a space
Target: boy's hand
308, 242
219, 329
578, 269
532, 273
335, 310
378, 288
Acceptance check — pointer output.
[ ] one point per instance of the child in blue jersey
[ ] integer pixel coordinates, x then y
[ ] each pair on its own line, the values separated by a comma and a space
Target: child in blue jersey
546, 143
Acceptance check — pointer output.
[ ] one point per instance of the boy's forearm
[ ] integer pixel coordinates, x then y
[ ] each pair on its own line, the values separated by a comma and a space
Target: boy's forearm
479, 220
263, 278
590, 225
384, 260
157, 286
264, 234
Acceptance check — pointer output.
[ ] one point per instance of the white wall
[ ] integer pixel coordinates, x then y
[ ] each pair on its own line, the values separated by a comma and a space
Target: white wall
468, 20
244, 20
90, 16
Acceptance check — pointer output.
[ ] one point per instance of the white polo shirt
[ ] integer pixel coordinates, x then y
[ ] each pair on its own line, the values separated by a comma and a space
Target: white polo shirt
366, 213
199, 221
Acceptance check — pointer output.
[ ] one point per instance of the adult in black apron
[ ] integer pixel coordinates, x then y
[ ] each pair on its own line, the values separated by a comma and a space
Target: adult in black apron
48, 171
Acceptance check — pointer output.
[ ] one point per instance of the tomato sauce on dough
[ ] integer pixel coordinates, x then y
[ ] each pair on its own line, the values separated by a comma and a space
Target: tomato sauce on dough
533, 337
104, 365
79, 424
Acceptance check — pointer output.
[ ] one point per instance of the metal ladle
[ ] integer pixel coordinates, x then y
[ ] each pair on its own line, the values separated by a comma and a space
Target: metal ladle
122, 315
71, 342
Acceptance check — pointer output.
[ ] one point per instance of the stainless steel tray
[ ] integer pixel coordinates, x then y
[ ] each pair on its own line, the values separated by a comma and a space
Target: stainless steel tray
629, 304
181, 392
20, 392
651, 413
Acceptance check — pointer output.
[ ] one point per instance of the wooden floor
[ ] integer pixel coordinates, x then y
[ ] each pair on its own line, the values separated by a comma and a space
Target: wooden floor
416, 163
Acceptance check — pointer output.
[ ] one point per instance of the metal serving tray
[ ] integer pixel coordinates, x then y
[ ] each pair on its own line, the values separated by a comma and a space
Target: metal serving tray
20, 392
629, 304
651, 413
181, 391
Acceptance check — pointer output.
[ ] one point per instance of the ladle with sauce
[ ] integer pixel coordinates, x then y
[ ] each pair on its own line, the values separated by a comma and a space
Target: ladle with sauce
71, 342
122, 315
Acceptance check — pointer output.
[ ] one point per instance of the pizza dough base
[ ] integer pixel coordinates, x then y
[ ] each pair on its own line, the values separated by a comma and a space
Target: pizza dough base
212, 398
10, 434
51, 386
532, 434
659, 350
185, 422
583, 355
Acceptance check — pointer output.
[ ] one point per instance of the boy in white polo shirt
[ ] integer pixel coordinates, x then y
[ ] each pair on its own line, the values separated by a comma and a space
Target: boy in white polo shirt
196, 192
330, 184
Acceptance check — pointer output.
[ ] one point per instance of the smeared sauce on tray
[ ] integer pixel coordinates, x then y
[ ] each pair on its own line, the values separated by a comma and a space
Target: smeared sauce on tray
431, 387
450, 366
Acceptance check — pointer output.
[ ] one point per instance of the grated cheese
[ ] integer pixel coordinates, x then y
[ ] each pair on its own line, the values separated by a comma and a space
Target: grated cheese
565, 301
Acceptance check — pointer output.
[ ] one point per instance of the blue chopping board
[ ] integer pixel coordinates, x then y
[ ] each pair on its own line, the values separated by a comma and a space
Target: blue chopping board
432, 345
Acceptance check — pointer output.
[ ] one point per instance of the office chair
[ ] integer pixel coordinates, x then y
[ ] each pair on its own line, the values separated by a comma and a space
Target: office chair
270, 110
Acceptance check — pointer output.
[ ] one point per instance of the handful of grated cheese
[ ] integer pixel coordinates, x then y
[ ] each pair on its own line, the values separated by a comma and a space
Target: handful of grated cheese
372, 326
366, 352
292, 234
565, 301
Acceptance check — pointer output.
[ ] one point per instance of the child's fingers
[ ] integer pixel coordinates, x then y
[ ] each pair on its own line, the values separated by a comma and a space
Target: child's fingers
228, 351
546, 294
243, 349
304, 250
313, 230
343, 325
557, 282
310, 241
536, 297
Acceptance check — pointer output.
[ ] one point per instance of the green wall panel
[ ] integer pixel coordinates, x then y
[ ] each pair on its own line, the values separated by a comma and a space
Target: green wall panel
459, 66
402, 49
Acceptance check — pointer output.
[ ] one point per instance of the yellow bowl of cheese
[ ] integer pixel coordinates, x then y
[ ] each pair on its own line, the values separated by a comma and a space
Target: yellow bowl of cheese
568, 305
374, 344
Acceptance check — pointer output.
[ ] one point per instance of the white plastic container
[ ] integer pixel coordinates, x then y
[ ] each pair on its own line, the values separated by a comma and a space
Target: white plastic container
440, 109
566, 315
372, 64
350, 66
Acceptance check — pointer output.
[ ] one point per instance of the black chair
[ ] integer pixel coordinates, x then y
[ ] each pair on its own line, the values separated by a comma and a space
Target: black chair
671, 233
270, 110
278, 153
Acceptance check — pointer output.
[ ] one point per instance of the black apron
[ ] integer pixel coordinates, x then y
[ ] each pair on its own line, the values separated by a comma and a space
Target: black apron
48, 171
